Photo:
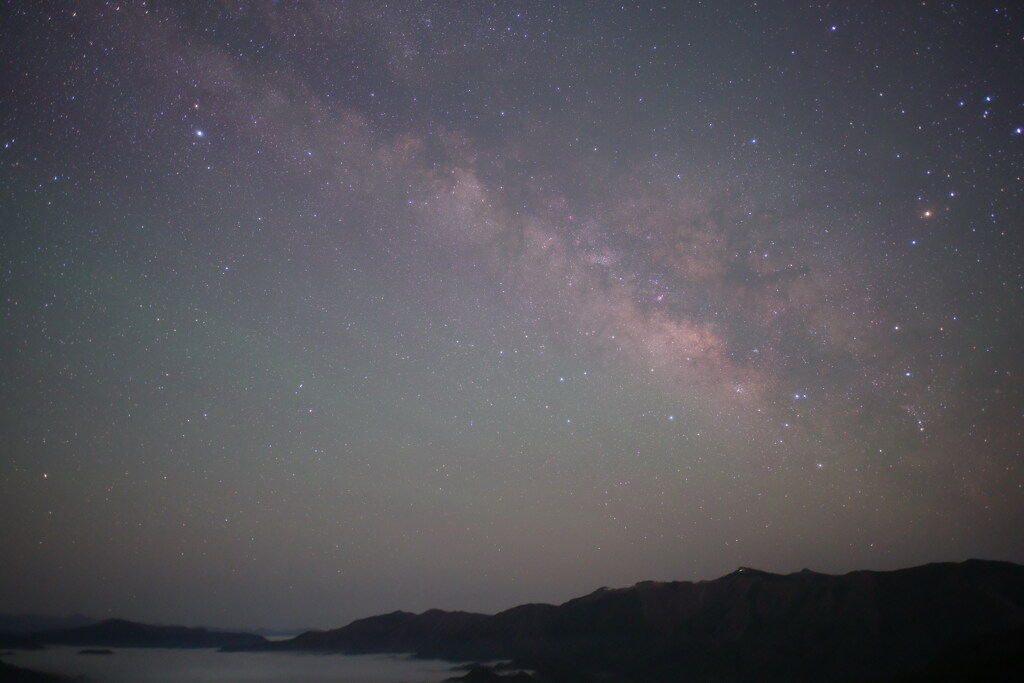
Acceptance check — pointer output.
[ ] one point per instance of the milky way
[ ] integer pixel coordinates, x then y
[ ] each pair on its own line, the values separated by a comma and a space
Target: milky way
314, 311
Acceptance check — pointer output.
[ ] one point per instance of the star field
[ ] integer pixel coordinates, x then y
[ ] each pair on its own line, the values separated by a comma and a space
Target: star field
312, 311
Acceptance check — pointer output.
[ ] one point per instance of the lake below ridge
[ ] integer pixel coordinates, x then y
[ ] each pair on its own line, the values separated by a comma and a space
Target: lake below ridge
152, 665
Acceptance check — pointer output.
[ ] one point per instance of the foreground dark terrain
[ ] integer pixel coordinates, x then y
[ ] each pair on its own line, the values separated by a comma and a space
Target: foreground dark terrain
920, 623
936, 622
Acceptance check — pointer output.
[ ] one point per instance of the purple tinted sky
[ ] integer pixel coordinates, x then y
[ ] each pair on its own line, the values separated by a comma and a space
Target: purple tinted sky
314, 311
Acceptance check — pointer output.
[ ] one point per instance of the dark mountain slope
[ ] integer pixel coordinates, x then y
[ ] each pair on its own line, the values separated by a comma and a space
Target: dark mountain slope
748, 625
395, 632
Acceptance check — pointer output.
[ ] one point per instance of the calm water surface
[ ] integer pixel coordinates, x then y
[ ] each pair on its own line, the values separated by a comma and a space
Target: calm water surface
145, 665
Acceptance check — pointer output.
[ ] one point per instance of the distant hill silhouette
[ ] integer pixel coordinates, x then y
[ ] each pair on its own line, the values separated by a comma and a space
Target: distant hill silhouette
34, 623
16, 630
904, 625
121, 633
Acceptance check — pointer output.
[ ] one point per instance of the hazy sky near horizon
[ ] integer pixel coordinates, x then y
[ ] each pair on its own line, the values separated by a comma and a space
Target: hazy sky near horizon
312, 311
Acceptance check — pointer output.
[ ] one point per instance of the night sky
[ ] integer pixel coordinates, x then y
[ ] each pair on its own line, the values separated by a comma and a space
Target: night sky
316, 311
